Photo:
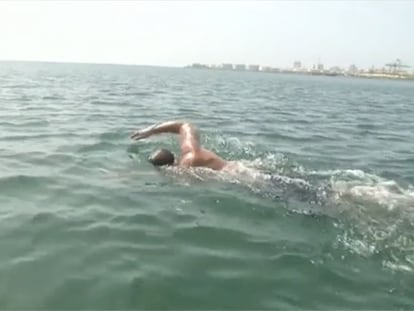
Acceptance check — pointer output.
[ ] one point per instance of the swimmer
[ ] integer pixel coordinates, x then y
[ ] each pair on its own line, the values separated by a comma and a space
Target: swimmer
192, 153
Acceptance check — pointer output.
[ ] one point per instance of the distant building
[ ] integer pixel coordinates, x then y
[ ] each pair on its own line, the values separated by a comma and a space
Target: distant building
240, 67
320, 67
254, 67
199, 66
336, 69
267, 69
353, 69
297, 65
227, 66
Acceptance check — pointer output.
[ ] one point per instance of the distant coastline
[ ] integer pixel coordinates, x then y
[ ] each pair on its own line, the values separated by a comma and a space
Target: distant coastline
393, 73
316, 70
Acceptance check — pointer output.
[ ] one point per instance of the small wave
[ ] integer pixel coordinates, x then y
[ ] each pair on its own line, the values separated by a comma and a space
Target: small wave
139, 94
113, 135
98, 146
103, 102
53, 97
22, 181
21, 86
25, 123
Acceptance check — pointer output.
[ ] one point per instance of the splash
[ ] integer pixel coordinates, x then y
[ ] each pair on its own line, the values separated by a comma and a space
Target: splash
376, 214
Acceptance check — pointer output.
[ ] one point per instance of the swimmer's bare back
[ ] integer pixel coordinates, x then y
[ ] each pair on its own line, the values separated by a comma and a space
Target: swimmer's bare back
192, 154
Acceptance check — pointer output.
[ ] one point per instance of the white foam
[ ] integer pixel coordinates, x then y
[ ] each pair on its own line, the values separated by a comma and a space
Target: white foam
397, 267
386, 193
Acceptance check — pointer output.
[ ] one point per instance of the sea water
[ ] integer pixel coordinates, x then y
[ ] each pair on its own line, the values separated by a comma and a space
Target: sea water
87, 222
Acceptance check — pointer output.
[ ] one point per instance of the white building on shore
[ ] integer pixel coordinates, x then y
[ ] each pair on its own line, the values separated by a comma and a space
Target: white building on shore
254, 67
227, 66
240, 67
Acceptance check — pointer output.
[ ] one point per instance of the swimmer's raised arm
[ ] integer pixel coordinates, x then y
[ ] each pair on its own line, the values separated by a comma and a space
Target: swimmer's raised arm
166, 127
192, 154
189, 137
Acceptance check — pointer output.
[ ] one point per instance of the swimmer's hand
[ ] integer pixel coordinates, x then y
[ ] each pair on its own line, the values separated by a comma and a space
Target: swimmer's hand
147, 132
140, 135
166, 127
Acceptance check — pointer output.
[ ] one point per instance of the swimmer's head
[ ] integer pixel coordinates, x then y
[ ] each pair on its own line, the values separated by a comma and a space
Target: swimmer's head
161, 157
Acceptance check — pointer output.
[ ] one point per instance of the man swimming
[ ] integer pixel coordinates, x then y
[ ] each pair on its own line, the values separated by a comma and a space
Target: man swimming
192, 154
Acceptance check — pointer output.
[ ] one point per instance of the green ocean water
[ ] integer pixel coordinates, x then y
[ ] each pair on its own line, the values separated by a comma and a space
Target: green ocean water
87, 223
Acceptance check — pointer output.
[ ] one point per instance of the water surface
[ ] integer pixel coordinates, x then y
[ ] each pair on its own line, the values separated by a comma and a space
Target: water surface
86, 222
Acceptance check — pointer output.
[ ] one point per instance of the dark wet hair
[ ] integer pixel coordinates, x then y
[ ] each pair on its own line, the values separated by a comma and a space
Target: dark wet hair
161, 157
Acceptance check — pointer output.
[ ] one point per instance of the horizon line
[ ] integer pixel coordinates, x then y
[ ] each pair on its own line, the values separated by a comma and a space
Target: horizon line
150, 65
84, 63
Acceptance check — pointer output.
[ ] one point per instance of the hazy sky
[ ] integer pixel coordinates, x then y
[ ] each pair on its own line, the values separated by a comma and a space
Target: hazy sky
272, 33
